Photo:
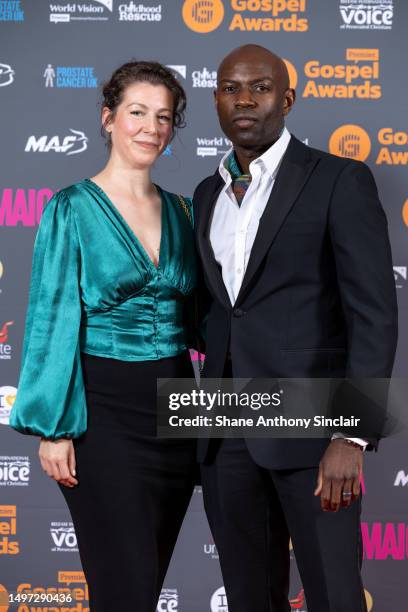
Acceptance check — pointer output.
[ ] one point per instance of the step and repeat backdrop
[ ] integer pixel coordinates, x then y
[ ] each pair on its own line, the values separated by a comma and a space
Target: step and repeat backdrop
347, 60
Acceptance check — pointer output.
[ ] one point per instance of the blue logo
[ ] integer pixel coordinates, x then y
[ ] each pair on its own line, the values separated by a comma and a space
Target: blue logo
73, 77
168, 151
11, 10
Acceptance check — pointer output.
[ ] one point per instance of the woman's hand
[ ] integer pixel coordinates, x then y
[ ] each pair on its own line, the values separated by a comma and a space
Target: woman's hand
58, 460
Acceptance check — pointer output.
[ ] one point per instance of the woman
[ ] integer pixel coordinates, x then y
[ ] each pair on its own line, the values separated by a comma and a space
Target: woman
113, 269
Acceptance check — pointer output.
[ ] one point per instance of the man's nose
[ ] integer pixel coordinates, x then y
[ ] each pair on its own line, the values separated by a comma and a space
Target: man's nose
244, 99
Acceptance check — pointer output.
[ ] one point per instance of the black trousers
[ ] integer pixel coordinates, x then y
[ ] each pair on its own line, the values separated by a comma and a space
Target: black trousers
133, 489
254, 511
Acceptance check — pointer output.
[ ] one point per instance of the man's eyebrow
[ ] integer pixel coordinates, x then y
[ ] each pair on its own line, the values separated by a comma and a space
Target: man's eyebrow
261, 78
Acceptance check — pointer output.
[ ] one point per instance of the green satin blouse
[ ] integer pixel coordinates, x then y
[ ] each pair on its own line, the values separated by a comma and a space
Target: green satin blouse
94, 289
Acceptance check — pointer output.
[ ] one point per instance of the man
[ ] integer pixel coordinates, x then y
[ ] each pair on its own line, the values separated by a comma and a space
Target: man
296, 257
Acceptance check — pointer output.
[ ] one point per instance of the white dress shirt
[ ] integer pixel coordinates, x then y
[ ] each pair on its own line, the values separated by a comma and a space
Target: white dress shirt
234, 227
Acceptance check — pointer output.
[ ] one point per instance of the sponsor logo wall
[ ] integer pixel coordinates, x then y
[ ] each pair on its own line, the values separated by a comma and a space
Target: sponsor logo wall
346, 59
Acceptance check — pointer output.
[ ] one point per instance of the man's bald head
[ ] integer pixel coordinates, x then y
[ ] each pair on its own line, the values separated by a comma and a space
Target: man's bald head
256, 54
253, 98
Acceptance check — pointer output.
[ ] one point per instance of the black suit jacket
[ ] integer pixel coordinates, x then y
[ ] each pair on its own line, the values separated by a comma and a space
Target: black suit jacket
318, 296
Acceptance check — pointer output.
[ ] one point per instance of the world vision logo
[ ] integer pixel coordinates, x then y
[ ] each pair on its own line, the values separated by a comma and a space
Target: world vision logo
405, 212
350, 141
4, 599
356, 78
293, 77
369, 600
203, 16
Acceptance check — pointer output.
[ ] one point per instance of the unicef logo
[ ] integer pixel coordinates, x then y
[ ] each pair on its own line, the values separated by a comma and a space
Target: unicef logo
218, 601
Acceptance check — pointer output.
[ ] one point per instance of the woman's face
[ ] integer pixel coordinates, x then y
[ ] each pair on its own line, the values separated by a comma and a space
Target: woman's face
142, 125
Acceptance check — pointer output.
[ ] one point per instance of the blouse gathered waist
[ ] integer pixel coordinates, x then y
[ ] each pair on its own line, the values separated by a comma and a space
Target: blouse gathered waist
95, 290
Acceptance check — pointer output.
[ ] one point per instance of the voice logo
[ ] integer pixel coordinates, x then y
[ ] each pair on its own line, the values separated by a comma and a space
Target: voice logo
211, 147
7, 399
400, 275
168, 601
64, 537
6, 75
401, 479
96, 10
218, 601
14, 471
366, 14
72, 144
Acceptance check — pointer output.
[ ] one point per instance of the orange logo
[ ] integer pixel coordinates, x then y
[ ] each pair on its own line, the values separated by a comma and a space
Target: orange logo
405, 212
369, 600
350, 141
293, 77
4, 332
203, 16
4, 599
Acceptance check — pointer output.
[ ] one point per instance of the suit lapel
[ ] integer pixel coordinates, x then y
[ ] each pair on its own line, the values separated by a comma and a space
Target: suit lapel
296, 166
206, 206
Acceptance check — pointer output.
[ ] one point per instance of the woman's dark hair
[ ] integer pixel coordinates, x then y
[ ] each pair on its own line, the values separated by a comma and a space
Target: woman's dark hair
142, 72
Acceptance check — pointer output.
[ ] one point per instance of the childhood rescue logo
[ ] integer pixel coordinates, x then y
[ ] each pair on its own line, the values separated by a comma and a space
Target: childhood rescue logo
23, 206
390, 146
204, 16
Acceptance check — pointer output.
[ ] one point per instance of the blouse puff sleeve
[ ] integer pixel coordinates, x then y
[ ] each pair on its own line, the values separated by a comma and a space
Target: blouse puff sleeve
51, 397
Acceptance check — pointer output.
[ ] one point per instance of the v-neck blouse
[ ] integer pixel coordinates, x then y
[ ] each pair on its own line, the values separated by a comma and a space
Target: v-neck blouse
94, 289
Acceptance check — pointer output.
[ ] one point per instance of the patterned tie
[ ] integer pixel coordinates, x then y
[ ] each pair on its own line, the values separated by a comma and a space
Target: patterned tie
240, 182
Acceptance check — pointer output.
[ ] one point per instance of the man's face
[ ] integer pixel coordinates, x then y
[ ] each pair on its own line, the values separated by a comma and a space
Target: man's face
251, 101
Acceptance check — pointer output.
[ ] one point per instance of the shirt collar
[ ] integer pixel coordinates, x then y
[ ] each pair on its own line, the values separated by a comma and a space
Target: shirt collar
269, 160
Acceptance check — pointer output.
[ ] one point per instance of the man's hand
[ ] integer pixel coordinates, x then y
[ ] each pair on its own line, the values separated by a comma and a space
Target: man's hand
338, 482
